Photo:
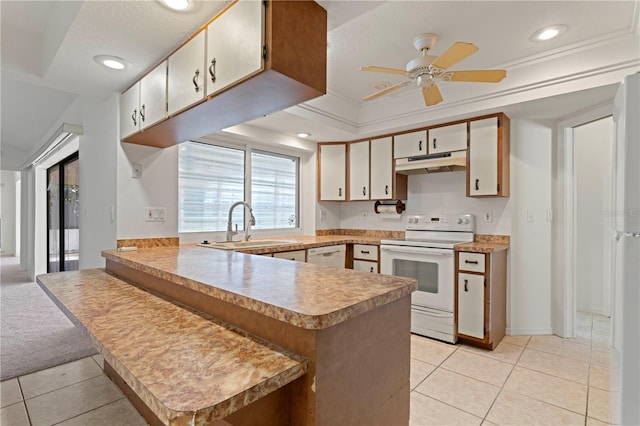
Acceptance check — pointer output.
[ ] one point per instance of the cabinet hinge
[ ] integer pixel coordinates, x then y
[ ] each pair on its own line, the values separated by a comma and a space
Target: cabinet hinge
264, 52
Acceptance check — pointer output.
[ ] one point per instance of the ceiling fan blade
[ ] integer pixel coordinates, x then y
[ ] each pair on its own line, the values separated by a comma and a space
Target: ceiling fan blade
431, 95
453, 55
480, 76
384, 70
385, 91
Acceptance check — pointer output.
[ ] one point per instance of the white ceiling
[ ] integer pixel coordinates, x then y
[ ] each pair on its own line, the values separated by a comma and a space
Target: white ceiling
48, 46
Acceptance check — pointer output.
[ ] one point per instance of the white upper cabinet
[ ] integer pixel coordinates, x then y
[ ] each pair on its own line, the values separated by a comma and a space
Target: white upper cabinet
448, 138
333, 166
483, 157
382, 169
359, 170
187, 74
410, 144
129, 111
234, 45
153, 96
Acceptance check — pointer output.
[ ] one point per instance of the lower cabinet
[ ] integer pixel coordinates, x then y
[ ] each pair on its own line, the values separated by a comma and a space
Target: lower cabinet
297, 255
365, 258
481, 297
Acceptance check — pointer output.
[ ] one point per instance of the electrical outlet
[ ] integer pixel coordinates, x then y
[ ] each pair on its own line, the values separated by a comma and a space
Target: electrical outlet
488, 216
549, 215
530, 216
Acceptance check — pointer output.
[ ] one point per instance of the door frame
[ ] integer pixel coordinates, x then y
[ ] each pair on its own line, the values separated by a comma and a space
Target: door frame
564, 307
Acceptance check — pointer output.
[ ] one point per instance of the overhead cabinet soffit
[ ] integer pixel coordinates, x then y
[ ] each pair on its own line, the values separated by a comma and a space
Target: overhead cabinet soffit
252, 59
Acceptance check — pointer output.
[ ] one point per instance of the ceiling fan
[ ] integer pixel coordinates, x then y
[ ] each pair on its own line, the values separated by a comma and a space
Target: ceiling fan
426, 70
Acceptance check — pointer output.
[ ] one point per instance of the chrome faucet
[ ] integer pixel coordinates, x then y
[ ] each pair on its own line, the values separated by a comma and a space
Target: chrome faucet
252, 221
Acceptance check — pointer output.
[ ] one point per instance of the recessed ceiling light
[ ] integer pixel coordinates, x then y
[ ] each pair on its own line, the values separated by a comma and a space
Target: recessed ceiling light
380, 85
547, 33
112, 62
177, 4
304, 135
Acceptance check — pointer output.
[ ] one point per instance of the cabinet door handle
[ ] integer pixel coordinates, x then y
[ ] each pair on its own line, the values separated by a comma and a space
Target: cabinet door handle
364, 252
195, 81
364, 190
477, 184
133, 117
339, 192
386, 189
466, 283
473, 262
434, 143
371, 269
419, 145
142, 113
212, 70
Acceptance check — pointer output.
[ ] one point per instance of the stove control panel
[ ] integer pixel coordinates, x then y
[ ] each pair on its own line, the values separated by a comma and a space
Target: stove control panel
441, 222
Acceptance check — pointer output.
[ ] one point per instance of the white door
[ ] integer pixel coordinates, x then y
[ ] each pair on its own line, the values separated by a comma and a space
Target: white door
410, 144
359, 171
153, 96
234, 45
448, 138
381, 169
483, 157
186, 84
333, 172
471, 305
129, 114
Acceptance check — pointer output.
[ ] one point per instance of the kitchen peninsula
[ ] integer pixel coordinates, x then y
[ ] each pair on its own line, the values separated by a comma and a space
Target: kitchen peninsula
336, 341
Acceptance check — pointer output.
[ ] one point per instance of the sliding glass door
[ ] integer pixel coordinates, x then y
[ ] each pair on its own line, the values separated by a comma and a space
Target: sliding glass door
63, 214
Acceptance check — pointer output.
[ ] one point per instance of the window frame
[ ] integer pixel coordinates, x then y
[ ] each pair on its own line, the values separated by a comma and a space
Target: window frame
248, 149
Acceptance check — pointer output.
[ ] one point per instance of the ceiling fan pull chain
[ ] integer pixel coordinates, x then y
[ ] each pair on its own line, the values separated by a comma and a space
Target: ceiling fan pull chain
195, 81
212, 70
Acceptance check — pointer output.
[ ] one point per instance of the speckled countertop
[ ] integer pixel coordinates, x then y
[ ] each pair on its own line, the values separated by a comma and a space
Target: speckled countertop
308, 241
485, 244
304, 295
144, 338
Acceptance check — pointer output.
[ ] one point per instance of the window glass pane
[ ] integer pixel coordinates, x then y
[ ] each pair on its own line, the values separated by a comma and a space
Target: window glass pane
274, 190
210, 179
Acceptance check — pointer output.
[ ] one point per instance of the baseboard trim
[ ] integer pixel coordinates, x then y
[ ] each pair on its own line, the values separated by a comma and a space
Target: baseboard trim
528, 331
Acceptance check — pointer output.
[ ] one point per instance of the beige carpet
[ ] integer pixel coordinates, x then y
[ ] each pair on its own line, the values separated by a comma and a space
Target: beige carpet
34, 333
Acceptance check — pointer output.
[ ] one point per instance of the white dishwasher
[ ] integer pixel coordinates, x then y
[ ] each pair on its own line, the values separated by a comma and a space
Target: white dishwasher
328, 256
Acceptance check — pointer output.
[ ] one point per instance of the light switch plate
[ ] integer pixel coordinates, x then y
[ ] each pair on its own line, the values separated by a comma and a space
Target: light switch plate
488, 216
156, 214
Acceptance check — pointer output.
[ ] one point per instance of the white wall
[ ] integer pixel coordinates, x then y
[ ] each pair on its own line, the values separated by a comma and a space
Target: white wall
158, 187
529, 290
593, 145
8, 212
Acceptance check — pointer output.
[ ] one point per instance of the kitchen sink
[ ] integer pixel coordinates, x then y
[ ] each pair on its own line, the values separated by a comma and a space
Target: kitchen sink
238, 245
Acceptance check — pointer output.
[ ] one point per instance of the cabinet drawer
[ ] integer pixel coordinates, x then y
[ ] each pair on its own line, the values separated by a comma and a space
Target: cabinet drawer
473, 262
297, 255
365, 252
365, 266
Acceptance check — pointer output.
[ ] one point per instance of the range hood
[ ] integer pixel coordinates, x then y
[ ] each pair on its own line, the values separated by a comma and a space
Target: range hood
445, 162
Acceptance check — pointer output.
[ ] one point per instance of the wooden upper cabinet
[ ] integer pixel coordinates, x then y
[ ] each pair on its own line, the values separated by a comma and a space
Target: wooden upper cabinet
332, 166
359, 171
234, 45
488, 157
448, 138
291, 67
186, 83
410, 144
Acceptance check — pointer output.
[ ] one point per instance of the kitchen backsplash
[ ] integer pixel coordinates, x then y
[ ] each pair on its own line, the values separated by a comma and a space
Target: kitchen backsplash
428, 193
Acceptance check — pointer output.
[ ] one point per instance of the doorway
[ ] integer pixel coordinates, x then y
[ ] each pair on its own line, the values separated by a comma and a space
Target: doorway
63, 215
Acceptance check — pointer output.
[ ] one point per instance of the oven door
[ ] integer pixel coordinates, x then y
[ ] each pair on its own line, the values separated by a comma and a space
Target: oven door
433, 268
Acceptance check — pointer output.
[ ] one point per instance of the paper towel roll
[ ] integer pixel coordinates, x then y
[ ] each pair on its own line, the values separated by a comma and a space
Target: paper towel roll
388, 209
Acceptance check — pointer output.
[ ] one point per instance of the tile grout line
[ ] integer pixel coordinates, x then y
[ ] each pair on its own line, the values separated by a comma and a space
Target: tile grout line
63, 387
93, 409
24, 401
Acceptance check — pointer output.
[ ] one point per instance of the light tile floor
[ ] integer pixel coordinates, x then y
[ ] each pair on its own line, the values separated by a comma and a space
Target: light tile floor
526, 381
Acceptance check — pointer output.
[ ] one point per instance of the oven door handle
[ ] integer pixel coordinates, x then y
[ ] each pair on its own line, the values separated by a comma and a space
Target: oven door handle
417, 250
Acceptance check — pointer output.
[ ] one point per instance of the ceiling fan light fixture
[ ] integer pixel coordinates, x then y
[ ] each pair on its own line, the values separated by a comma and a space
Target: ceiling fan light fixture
548, 33
380, 85
111, 62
